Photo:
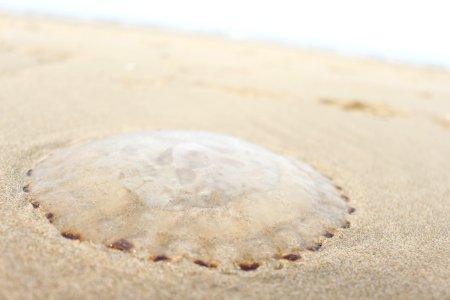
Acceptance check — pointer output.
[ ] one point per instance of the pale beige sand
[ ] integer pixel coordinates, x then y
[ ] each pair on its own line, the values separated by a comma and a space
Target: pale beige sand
380, 131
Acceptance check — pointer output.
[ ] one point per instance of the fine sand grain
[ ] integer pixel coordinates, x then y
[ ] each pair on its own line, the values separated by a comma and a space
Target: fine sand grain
381, 132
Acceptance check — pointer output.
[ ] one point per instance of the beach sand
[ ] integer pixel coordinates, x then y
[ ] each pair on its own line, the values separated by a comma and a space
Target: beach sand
380, 131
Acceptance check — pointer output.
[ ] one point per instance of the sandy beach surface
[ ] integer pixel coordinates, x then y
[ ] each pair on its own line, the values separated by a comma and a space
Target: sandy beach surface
381, 131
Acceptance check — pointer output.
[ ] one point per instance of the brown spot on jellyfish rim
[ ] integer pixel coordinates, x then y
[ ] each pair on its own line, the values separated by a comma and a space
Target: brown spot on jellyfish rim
26, 188
346, 225
35, 204
315, 247
159, 258
122, 245
202, 263
29, 172
50, 217
291, 257
329, 235
249, 266
71, 235
196, 177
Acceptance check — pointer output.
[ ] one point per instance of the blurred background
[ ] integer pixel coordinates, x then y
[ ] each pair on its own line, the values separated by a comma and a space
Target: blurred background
414, 32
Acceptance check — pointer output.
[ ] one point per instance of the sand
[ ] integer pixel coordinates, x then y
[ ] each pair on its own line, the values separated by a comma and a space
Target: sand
381, 131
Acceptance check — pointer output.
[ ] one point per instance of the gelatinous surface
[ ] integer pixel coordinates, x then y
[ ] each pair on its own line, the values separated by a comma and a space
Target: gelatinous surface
195, 195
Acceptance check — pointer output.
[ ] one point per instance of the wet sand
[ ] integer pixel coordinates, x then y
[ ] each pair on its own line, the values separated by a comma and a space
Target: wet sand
380, 131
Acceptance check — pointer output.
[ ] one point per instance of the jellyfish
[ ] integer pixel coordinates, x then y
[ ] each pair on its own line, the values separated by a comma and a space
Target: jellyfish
213, 199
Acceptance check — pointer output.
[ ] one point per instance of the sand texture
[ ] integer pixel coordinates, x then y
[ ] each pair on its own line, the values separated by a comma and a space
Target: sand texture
380, 131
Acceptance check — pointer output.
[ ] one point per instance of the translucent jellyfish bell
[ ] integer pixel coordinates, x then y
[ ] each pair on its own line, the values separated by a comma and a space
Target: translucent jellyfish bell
213, 199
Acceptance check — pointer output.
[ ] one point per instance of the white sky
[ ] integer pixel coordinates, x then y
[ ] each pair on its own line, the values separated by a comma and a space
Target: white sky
417, 30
